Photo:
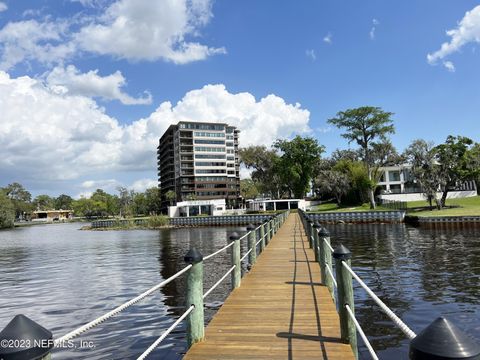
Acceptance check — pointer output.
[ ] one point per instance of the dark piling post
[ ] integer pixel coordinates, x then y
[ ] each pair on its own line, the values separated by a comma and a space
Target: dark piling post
237, 272
326, 259
345, 297
316, 248
442, 340
262, 236
29, 339
252, 257
195, 321
309, 232
269, 229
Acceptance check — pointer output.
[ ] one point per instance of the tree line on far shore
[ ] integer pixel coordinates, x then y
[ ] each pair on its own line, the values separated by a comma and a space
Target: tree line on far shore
16, 203
290, 168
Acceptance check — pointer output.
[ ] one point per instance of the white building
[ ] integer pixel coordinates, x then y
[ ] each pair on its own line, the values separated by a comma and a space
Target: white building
397, 183
197, 207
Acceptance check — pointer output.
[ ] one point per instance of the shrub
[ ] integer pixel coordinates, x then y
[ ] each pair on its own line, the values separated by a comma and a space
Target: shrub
158, 221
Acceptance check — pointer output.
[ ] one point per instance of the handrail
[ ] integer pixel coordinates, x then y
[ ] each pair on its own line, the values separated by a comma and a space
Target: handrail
165, 334
362, 334
219, 281
218, 251
396, 320
125, 305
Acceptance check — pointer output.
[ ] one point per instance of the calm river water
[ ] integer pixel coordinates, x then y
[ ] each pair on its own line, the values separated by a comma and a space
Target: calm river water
62, 278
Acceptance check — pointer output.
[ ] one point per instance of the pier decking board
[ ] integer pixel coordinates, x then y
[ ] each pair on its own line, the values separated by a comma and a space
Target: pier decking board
280, 311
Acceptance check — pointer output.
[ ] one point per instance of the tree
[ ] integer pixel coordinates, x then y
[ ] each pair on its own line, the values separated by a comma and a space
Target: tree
125, 201
7, 211
297, 163
421, 155
139, 204
365, 125
152, 197
63, 202
333, 182
20, 198
264, 163
358, 179
43, 202
248, 189
110, 203
453, 159
170, 196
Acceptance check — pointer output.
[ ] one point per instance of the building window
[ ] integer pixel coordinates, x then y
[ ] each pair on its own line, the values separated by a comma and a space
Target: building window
209, 163
209, 149
211, 142
394, 175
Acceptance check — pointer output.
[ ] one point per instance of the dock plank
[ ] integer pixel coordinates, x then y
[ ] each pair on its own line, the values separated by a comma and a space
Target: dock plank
280, 311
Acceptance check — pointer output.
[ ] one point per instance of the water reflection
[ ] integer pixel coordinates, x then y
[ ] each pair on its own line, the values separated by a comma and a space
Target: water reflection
63, 278
420, 273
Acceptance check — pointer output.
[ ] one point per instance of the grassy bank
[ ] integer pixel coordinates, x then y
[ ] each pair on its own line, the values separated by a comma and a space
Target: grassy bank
454, 207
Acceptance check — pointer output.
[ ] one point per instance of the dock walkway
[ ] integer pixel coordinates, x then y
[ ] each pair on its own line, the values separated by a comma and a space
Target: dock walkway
280, 311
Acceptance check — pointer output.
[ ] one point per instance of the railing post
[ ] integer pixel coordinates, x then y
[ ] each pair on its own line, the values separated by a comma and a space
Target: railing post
268, 223
443, 340
345, 297
262, 236
316, 247
237, 272
30, 340
309, 232
326, 259
252, 257
195, 321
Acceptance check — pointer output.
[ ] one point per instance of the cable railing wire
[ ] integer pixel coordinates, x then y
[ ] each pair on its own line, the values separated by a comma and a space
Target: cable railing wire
219, 281
166, 333
218, 251
362, 334
329, 272
74, 333
118, 309
396, 320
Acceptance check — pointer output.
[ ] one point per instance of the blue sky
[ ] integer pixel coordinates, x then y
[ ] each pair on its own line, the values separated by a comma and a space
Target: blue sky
88, 86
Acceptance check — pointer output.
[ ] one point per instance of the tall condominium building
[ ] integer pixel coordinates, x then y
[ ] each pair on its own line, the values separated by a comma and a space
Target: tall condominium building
199, 161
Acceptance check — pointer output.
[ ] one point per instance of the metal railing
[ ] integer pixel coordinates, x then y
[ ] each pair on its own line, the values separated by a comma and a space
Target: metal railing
258, 236
440, 340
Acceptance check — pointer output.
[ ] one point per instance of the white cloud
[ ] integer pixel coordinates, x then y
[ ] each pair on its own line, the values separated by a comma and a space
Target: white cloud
143, 184
328, 38
449, 66
149, 30
71, 81
375, 23
127, 29
32, 40
100, 184
311, 54
467, 31
45, 136
3, 6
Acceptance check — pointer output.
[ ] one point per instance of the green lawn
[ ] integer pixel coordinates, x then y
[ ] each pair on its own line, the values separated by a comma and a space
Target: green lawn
460, 207
333, 207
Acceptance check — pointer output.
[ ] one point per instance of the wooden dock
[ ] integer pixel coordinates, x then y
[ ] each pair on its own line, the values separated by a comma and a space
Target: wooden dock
280, 311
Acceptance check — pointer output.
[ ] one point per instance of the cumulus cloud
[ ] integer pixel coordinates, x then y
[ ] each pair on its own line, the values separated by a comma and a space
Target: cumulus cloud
311, 54
375, 23
46, 136
71, 81
143, 184
127, 29
467, 31
328, 38
32, 40
3, 6
149, 30
449, 66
